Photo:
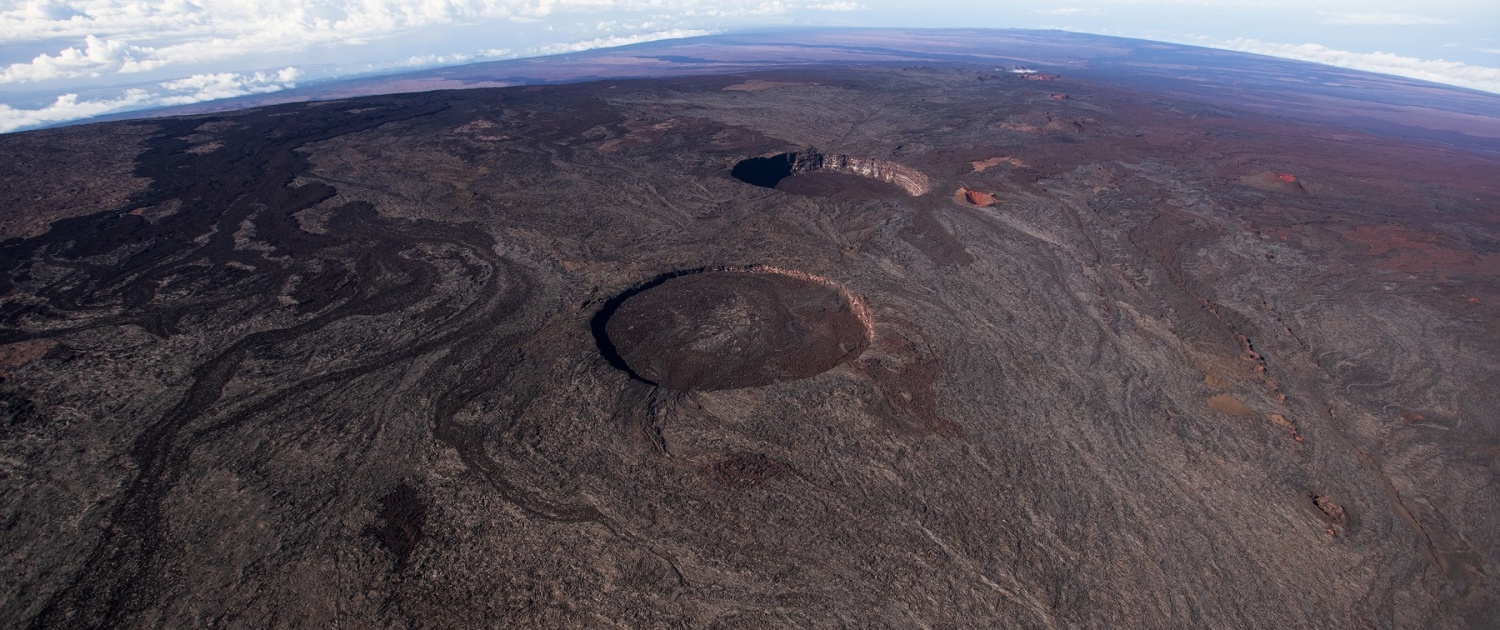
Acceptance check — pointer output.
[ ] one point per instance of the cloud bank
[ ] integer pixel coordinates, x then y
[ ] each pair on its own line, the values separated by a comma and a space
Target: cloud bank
193, 89
126, 36
159, 52
616, 40
95, 57
213, 86
139, 35
1436, 70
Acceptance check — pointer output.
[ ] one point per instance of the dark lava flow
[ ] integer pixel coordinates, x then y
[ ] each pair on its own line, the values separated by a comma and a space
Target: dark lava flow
364, 266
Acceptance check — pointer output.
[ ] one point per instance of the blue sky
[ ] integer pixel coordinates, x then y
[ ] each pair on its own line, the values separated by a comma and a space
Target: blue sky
63, 60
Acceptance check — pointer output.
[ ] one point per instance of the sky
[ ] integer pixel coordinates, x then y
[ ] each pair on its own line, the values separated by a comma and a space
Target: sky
66, 60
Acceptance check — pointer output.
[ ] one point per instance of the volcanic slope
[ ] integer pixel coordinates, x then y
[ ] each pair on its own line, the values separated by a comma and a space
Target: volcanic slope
398, 361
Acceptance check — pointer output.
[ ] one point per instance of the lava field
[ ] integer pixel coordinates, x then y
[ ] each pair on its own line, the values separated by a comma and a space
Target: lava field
889, 343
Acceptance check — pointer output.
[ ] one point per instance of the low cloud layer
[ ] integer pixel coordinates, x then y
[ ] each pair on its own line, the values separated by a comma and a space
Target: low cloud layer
159, 51
213, 86
137, 35
616, 40
1436, 70
95, 57
193, 89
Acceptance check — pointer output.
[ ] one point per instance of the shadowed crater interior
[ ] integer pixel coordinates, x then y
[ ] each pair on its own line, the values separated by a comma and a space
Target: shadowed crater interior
844, 176
730, 329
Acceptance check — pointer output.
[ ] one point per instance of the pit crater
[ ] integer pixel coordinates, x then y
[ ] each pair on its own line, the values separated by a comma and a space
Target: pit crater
732, 328
824, 175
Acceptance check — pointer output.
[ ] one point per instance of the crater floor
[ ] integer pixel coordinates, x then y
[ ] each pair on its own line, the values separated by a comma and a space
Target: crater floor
732, 329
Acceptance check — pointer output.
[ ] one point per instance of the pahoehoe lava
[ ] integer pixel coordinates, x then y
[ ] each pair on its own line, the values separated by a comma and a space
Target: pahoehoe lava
731, 329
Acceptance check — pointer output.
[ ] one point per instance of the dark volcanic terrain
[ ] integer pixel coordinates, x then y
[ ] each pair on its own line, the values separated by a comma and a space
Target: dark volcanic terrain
857, 343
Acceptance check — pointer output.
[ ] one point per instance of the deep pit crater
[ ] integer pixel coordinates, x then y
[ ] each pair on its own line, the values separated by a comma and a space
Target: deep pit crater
733, 328
823, 175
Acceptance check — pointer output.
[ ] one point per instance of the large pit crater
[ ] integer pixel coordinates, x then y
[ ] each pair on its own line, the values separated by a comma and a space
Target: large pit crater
731, 328
817, 174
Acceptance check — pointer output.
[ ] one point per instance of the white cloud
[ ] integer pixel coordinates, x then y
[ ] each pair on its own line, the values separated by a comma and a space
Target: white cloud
416, 61
194, 89
617, 40
1383, 19
67, 107
136, 35
289, 20
212, 86
1437, 70
96, 57
208, 87
420, 61
835, 6
50, 10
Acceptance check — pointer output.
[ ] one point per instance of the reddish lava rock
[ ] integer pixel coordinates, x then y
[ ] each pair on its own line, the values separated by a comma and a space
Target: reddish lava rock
976, 198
